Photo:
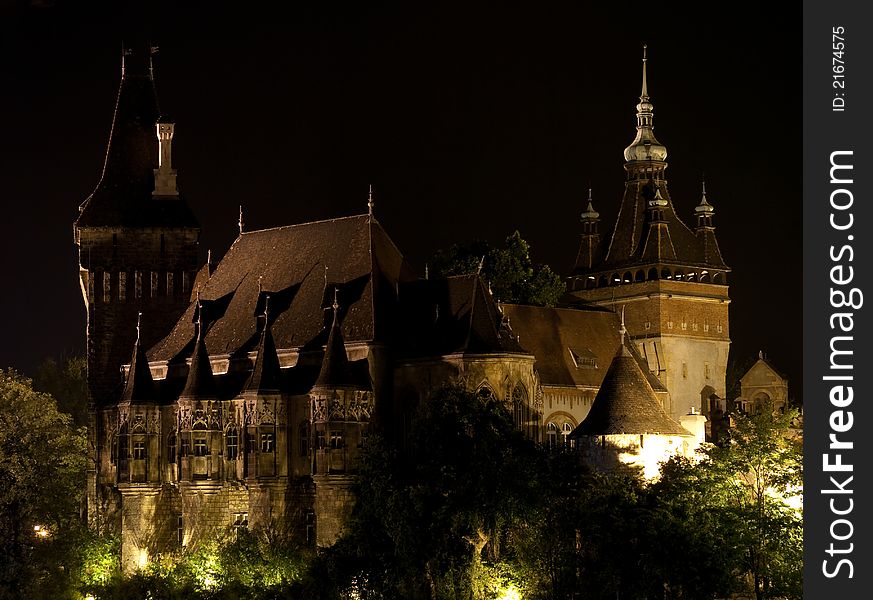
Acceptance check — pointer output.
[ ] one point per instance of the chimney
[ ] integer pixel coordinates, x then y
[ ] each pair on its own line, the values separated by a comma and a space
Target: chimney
165, 174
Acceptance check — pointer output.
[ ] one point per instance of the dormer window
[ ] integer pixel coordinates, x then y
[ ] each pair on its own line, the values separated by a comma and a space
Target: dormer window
583, 358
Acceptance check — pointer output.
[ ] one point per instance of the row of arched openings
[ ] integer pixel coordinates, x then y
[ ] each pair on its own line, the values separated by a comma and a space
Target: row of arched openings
654, 274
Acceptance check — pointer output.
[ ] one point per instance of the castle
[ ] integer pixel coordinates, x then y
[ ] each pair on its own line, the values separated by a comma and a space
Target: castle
240, 394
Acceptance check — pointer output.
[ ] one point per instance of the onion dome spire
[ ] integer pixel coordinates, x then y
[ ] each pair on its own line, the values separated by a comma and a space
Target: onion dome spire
590, 214
645, 146
139, 386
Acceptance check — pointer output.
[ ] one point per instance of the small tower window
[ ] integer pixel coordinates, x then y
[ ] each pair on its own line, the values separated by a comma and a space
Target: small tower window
267, 442
186, 282
180, 530
137, 283
336, 439
122, 286
139, 450
154, 284
186, 447
107, 287
169, 283
171, 448
706, 370
684, 370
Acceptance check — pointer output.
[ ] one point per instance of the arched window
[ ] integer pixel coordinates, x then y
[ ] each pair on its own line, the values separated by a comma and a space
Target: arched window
718, 278
653, 274
551, 435
640, 276
520, 410
665, 274
627, 277
603, 281
566, 430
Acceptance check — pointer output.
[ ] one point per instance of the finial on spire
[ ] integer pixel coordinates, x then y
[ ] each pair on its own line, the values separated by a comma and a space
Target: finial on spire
241, 222
152, 51
590, 214
623, 329
645, 91
266, 309
335, 304
481, 264
370, 202
260, 284
138, 322
209, 257
426, 271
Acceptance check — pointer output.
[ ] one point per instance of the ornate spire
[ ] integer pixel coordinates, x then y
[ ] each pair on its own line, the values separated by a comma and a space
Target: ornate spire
645, 146
623, 351
370, 202
704, 211
241, 223
590, 214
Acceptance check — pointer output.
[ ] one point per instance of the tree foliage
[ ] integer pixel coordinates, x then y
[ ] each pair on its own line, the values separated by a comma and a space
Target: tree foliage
42, 481
66, 381
512, 275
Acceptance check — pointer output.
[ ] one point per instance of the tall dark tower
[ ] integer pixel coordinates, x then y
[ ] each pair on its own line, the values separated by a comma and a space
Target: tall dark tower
137, 238
671, 278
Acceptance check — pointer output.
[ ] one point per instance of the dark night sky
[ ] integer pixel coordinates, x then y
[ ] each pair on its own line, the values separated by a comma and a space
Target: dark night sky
470, 120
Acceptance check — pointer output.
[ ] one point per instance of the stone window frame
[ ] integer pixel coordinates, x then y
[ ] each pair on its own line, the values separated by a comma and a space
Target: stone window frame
201, 446
139, 450
232, 444
337, 439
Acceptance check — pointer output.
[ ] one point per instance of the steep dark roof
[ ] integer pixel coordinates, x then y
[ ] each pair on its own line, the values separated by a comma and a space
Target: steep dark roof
553, 334
139, 387
626, 404
452, 315
288, 263
266, 371
673, 243
200, 382
123, 197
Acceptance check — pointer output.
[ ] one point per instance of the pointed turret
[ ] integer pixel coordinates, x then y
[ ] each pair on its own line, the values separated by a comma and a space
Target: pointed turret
589, 246
266, 370
139, 387
336, 370
626, 402
704, 211
200, 382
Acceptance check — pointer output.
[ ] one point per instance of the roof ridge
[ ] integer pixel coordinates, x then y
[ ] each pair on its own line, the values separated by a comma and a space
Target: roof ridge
348, 217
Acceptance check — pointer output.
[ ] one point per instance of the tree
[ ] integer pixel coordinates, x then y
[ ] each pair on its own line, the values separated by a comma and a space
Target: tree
427, 516
761, 476
42, 480
512, 275
66, 381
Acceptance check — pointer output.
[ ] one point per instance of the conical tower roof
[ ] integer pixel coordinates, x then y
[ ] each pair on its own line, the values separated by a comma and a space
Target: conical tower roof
265, 373
139, 388
626, 403
200, 382
336, 370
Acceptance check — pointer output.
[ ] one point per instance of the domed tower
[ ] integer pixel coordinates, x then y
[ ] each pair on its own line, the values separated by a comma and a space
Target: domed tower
671, 277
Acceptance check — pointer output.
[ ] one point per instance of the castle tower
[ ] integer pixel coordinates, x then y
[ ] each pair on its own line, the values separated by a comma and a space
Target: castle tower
671, 278
137, 239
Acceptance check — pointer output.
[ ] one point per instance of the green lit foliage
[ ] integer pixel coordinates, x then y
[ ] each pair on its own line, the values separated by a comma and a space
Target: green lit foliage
512, 275
430, 520
255, 564
42, 478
